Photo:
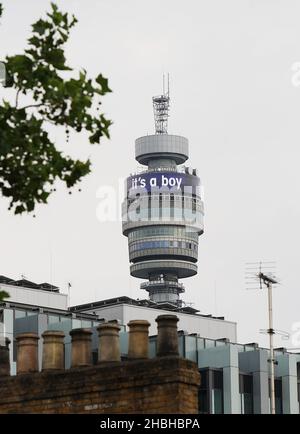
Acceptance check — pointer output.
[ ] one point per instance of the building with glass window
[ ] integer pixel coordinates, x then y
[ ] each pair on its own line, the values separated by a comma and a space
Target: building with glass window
162, 219
36, 308
235, 377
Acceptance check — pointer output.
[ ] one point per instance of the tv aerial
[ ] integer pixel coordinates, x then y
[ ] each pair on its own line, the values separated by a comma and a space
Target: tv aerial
260, 275
161, 105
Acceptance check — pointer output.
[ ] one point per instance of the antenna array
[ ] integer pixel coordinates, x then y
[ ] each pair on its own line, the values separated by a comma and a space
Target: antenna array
263, 272
161, 106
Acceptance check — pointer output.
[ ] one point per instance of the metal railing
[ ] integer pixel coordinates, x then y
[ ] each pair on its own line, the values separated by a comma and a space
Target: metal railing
180, 169
166, 283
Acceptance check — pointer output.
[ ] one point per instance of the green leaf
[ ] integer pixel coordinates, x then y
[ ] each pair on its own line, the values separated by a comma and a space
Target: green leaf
3, 295
103, 83
30, 162
40, 27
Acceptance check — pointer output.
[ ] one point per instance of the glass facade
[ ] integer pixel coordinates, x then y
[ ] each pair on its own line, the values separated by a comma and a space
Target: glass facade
86, 324
175, 231
7, 328
200, 343
18, 319
191, 346
278, 396
187, 215
162, 244
19, 313
204, 393
298, 384
53, 319
246, 393
209, 343
152, 346
123, 343
211, 394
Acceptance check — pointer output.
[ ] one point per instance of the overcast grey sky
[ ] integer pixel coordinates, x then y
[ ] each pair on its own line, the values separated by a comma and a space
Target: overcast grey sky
231, 95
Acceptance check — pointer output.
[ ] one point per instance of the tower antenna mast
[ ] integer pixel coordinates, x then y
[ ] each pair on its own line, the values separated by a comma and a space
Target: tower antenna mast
161, 105
268, 280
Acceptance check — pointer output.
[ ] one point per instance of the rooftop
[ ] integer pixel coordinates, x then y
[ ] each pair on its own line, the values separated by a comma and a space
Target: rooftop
47, 310
24, 283
146, 303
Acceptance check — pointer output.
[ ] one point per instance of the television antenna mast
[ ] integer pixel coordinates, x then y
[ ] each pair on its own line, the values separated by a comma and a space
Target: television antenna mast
161, 105
263, 272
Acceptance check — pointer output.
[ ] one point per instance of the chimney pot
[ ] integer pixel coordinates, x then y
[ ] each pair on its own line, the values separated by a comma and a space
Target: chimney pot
109, 342
53, 350
138, 347
81, 352
27, 353
167, 337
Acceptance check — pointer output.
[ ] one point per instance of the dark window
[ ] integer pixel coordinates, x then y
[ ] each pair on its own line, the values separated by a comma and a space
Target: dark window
217, 380
14, 350
211, 391
278, 396
203, 394
246, 393
160, 205
172, 205
149, 204
217, 392
298, 378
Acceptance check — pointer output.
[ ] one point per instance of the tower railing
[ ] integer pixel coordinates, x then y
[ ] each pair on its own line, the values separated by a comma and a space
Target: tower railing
178, 169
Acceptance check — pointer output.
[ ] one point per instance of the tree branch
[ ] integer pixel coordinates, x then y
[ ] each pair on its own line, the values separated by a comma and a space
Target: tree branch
17, 97
32, 105
48, 120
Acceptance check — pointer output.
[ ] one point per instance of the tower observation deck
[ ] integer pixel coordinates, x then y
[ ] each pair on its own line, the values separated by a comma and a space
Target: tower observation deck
162, 212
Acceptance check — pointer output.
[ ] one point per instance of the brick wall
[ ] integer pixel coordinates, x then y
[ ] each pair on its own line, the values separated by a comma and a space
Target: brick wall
161, 385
